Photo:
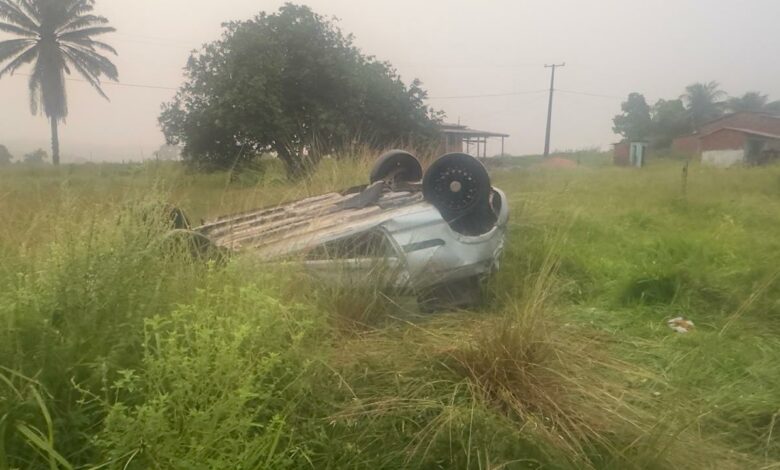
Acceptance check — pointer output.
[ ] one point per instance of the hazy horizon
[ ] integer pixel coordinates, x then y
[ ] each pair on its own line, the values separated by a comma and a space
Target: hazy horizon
457, 48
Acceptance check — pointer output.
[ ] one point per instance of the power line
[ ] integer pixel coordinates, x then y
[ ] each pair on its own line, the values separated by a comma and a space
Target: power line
597, 95
154, 43
120, 84
160, 39
485, 95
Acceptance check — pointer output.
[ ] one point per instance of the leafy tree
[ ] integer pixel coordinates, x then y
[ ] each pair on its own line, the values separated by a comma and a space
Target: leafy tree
750, 101
634, 123
5, 155
703, 102
753, 101
670, 120
55, 35
37, 157
290, 83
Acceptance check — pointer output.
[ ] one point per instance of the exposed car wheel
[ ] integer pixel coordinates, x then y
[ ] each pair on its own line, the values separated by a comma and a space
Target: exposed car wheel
398, 165
458, 185
455, 295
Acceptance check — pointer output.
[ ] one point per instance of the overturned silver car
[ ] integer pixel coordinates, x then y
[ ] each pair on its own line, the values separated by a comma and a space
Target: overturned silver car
440, 233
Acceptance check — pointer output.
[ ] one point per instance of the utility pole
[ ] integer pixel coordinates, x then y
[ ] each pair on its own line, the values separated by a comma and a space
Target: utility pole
549, 106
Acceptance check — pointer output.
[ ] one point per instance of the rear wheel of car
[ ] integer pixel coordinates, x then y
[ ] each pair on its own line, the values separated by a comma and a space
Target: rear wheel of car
456, 295
398, 166
458, 185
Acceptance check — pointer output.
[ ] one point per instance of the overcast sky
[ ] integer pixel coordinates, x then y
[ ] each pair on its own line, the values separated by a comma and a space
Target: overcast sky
456, 47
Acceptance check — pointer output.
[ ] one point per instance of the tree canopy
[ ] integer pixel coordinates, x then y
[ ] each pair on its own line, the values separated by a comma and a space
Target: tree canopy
658, 125
752, 101
37, 157
5, 155
293, 84
635, 123
704, 102
55, 36
670, 120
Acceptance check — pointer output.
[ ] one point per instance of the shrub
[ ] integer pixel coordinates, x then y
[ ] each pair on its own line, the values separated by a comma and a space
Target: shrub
218, 386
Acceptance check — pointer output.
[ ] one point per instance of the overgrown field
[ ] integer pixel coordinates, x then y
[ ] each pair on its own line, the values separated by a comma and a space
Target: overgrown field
119, 349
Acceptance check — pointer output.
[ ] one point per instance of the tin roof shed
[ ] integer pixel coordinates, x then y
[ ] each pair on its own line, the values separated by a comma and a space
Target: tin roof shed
453, 136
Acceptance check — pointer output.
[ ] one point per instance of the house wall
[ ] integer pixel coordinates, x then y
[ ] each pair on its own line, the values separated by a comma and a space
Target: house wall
621, 154
687, 145
723, 158
723, 148
725, 139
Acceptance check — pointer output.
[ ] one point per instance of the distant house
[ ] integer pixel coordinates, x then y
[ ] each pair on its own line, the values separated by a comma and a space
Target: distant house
745, 137
460, 138
729, 146
630, 153
621, 153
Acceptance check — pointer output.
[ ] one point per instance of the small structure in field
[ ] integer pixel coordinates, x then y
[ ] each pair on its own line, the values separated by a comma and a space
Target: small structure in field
630, 153
751, 138
454, 136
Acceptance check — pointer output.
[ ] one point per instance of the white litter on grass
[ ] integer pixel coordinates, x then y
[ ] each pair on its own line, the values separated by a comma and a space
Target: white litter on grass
680, 324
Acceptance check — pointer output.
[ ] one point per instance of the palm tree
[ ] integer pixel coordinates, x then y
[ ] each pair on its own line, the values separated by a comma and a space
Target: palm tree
55, 35
703, 102
750, 101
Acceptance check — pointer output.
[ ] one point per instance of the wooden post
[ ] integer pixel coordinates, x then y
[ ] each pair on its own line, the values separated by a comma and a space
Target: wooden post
502, 145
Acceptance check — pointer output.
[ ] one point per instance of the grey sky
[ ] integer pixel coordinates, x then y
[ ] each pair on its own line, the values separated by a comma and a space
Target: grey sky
456, 47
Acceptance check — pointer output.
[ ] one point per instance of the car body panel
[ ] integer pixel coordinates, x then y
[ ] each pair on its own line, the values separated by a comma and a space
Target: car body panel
425, 250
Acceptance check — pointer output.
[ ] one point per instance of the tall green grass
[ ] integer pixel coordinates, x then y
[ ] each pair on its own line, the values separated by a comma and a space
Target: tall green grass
119, 349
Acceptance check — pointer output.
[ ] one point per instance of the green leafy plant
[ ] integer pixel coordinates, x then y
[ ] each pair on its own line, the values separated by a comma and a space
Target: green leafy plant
290, 83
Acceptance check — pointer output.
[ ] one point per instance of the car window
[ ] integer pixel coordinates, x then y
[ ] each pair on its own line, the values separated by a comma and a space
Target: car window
373, 244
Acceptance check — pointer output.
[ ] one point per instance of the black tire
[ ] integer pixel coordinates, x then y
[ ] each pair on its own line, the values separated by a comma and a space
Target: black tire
457, 184
402, 165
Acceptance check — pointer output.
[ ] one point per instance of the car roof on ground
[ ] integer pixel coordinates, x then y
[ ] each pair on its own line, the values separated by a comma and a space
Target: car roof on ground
300, 225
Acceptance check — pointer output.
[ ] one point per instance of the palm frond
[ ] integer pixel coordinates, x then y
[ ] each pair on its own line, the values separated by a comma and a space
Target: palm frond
24, 58
10, 10
14, 29
94, 62
91, 45
86, 32
78, 7
30, 8
12, 47
82, 22
85, 70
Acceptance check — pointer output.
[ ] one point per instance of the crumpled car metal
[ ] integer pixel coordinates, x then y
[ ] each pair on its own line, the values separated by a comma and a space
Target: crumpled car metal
441, 232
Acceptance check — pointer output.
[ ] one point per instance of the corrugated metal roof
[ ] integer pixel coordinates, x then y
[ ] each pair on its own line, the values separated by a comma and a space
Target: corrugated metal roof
745, 131
730, 115
472, 132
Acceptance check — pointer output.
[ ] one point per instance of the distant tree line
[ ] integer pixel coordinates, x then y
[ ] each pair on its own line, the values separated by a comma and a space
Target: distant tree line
5, 156
36, 157
291, 84
668, 119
